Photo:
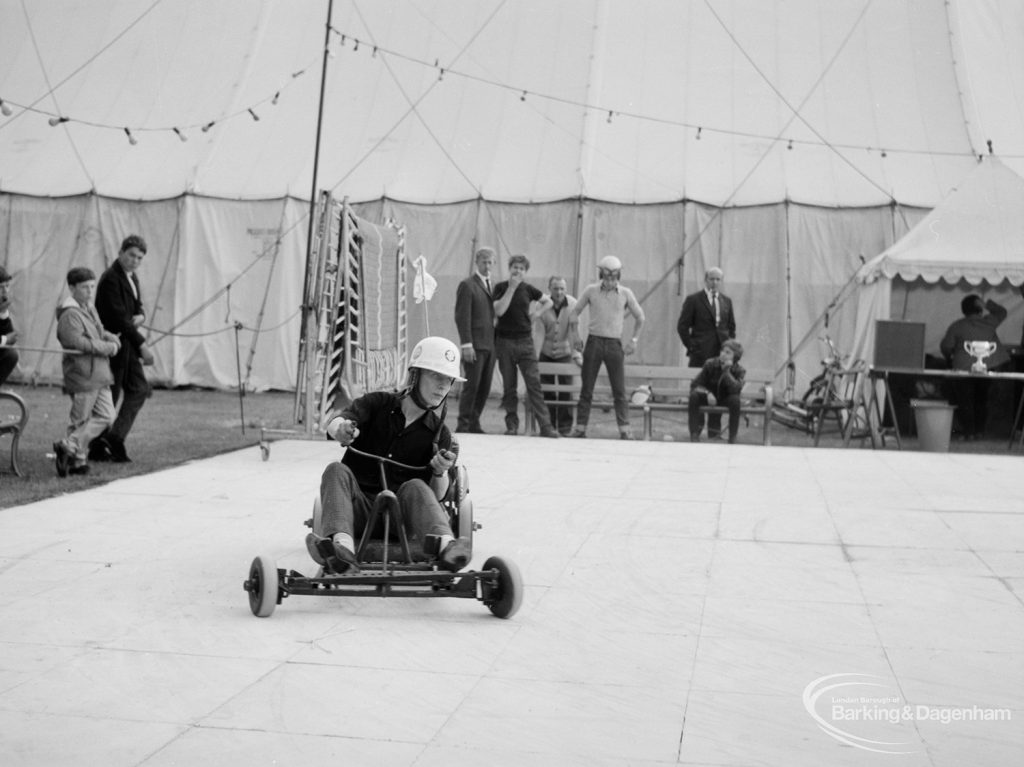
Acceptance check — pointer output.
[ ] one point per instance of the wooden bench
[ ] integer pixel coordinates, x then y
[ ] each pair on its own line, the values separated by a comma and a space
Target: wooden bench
13, 417
670, 392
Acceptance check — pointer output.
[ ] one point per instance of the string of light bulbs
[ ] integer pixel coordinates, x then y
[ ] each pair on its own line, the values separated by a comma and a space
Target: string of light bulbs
356, 43
181, 131
613, 113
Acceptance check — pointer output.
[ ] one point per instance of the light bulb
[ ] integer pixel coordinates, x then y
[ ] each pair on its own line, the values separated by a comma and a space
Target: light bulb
5, 108
255, 117
55, 121
180, 135
131, 139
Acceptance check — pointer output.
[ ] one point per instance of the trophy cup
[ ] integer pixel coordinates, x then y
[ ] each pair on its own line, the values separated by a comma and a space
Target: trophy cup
980, 350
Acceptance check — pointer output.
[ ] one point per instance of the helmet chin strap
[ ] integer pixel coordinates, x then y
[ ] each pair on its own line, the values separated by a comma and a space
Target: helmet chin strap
414, 392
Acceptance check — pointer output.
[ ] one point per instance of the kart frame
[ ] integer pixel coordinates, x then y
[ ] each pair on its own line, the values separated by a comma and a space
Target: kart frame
498, 584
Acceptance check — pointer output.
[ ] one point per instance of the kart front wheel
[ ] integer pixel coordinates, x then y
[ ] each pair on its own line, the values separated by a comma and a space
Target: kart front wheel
504, 597
262, 587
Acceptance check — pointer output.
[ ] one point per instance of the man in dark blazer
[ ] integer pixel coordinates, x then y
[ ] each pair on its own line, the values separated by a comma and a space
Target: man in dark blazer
119, 304
474, 318
705, 322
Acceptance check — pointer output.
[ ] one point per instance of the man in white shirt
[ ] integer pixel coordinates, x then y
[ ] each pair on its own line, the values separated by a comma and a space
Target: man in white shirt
609, 302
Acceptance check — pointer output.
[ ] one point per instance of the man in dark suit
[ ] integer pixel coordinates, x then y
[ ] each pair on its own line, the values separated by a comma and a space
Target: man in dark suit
474, 318
705, 322
119, 303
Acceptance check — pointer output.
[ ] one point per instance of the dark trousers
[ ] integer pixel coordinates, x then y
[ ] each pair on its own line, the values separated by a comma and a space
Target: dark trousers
561, 415
346, 508
473, 398
131, 387
970, 395
971, 399
518, 354
608, 351
8, 361
699, 399
714, 419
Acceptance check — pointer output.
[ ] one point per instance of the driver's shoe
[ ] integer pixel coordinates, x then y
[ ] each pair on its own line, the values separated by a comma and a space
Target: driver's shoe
455, 555
333, 557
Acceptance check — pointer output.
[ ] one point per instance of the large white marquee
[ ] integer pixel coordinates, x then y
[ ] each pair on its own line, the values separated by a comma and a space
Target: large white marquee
785, 140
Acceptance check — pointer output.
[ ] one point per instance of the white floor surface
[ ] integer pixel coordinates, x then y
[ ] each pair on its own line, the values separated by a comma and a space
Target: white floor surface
684, 604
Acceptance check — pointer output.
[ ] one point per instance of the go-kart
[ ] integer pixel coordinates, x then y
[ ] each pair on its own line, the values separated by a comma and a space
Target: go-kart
388, 565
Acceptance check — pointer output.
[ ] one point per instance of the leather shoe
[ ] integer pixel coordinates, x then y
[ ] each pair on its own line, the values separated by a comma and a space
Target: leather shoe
455, 555
578, 433
476, 429
333, 557
625, 435
117, 451
99, 450
62, 456
80, 470
549, 432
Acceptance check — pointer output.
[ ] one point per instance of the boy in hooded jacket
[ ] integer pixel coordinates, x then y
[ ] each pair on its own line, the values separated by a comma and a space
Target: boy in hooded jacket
87, 375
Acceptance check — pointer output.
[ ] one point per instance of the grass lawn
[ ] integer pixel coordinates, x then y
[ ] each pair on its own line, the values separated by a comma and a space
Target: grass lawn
174, 426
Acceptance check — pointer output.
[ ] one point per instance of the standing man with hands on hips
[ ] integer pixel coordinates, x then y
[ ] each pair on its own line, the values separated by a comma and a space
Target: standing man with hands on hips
609, 303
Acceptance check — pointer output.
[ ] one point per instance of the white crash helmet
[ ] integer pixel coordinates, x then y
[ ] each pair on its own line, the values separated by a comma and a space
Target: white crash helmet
437, 354
611, 263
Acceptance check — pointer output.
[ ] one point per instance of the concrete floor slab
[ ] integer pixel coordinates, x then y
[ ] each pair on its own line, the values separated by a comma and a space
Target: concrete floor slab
684, 605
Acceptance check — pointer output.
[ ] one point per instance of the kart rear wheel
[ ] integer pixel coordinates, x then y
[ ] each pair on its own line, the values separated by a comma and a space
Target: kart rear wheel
504, 599
262, 587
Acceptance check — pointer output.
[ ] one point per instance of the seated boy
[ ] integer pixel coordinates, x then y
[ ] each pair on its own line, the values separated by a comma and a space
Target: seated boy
721, 378
405, 427
87, 375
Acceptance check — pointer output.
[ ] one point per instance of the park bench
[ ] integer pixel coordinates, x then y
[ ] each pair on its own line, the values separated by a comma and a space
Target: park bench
669, 392
13, 418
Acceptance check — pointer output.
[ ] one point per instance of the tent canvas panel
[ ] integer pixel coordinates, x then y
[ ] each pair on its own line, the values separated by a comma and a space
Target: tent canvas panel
213, 263
972, 241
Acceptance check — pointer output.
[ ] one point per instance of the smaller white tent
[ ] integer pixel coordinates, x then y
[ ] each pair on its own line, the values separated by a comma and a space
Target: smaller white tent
973, 241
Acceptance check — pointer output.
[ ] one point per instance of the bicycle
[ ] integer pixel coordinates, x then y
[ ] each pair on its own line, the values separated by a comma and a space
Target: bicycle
827, 392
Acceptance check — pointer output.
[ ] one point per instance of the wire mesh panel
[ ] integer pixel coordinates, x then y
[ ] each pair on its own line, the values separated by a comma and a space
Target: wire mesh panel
356, 337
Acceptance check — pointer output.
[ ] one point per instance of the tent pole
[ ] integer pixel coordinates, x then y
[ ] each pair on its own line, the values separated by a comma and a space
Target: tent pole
306, 310
578, 266
475, 244
790, 366
238, 369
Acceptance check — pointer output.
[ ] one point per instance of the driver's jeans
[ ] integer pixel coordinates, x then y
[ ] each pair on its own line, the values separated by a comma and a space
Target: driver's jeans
346, 508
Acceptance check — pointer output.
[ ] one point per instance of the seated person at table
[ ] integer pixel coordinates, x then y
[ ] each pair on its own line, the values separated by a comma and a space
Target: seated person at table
406, 427
720, 379
971, 394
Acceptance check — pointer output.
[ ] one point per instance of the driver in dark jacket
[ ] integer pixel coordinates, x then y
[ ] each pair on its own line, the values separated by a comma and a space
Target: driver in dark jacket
405, 427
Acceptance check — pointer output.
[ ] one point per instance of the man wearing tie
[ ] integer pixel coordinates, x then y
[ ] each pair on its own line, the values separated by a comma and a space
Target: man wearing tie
705, 322
474, 318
